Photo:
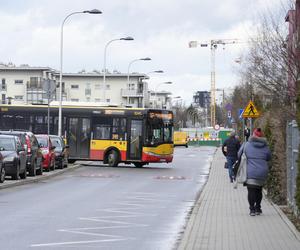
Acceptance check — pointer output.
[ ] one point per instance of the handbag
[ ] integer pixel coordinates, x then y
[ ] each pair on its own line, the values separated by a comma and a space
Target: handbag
240, 167
241, 175
226, 165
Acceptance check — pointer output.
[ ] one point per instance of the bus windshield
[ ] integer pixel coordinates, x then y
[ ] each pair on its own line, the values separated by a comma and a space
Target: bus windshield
159, 129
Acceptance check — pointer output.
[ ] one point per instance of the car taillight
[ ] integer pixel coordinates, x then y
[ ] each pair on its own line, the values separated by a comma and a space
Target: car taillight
28, 144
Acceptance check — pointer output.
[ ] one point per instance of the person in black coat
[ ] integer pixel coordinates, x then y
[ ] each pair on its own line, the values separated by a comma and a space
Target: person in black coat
230, 149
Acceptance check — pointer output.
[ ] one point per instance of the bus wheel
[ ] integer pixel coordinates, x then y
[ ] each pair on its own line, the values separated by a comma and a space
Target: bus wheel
112, 158
139, 164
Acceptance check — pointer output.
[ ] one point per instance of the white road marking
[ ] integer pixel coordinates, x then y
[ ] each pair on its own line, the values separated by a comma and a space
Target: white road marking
99, 219
74, 242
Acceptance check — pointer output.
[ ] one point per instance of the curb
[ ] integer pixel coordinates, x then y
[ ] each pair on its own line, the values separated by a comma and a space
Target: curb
190, 219
38, 178
282, 215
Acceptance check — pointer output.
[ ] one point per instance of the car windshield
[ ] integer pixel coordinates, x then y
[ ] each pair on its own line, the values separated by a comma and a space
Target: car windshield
56, 142
7, 144
159, 130
43, 141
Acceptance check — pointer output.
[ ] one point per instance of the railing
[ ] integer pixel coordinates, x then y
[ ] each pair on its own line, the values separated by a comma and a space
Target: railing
131, 93
292, 141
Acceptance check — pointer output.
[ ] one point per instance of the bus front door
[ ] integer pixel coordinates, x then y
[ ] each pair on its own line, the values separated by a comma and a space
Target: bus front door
78, 137
135, 140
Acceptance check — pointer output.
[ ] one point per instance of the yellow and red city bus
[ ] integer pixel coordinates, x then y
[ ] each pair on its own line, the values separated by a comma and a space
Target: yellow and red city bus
108, 134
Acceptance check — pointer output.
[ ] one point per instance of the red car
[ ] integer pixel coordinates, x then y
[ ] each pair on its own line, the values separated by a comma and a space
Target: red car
47, 151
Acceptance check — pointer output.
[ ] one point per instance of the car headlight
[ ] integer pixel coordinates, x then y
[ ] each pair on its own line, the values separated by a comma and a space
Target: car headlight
9, 159
45, 151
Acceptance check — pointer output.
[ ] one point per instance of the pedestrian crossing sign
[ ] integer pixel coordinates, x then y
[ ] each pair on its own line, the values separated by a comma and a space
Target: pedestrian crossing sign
250, 111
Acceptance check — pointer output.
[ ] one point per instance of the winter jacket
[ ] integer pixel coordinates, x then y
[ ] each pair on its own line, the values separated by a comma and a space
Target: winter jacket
232, 145
257, 153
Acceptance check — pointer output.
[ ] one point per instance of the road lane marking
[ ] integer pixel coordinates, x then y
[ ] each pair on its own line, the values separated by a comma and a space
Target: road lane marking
74, 242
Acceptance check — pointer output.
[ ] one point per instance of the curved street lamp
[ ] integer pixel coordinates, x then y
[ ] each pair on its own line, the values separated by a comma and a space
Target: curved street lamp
128, 38
93, 11
135, 60
156, 90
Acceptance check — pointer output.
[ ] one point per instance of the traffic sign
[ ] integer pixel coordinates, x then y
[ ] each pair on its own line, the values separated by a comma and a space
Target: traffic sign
241, 111
250, 111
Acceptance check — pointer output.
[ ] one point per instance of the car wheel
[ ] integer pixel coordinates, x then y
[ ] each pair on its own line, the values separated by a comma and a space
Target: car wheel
2, 174
16, 176
112, 158
32, 171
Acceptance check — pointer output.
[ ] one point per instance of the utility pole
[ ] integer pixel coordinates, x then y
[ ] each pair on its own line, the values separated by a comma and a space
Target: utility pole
213, 46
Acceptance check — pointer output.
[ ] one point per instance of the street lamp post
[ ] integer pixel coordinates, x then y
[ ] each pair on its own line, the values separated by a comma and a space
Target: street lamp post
128, 72
94, 11
155, 92
144, 89
128, 38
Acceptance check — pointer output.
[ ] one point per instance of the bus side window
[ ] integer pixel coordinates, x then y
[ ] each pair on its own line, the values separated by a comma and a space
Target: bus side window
122, 131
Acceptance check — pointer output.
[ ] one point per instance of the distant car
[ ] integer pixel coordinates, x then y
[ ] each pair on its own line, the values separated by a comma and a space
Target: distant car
48, 151
14, 156
180, 138
30, 144
61, 151
2, 169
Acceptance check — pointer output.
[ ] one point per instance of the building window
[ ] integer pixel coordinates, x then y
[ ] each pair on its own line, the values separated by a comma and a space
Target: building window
131, 86
107, 100
34, 83
107, 86
18, 81
75, 100
3, 85
75, 86
88, 91
3, 98
131, 100
18, 97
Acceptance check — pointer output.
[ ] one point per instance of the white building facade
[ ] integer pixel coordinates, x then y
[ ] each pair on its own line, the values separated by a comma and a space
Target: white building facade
25, 85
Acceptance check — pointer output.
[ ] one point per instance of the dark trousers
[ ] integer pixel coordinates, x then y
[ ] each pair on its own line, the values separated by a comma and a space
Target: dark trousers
254, 197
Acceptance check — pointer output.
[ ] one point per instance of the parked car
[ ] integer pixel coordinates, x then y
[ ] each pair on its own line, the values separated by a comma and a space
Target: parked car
30, 145
2, 169
61, 151
14, 156
48, 151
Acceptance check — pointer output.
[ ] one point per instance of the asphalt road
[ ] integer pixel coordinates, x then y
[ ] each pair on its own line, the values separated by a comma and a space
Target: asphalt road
97, 207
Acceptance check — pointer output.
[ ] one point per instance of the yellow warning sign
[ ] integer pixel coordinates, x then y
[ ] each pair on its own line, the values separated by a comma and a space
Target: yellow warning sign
250, 111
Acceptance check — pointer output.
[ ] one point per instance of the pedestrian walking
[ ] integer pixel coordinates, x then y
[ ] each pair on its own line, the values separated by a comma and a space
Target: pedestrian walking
257, 153
247, 133
230, 149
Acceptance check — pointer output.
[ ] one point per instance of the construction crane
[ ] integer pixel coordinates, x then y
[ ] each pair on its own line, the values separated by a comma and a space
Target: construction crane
213, 46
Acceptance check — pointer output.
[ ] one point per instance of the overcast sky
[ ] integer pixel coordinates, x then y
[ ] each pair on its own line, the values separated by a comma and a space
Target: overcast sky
162, 29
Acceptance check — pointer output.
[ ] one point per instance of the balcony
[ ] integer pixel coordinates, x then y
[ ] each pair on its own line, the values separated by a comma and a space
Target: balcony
131, 93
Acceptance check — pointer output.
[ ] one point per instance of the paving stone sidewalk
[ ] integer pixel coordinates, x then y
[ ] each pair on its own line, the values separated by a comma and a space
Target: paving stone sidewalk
220, 219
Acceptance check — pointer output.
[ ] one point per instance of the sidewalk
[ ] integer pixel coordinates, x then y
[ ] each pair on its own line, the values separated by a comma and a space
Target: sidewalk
220, 219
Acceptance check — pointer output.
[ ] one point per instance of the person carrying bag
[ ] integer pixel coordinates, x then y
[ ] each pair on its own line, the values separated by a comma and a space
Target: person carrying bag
257, 155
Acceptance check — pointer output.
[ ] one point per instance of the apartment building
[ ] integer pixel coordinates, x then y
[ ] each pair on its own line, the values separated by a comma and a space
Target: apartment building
37, 85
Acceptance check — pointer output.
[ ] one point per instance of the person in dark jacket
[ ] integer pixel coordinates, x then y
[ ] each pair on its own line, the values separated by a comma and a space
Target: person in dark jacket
257, 153
230, 149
